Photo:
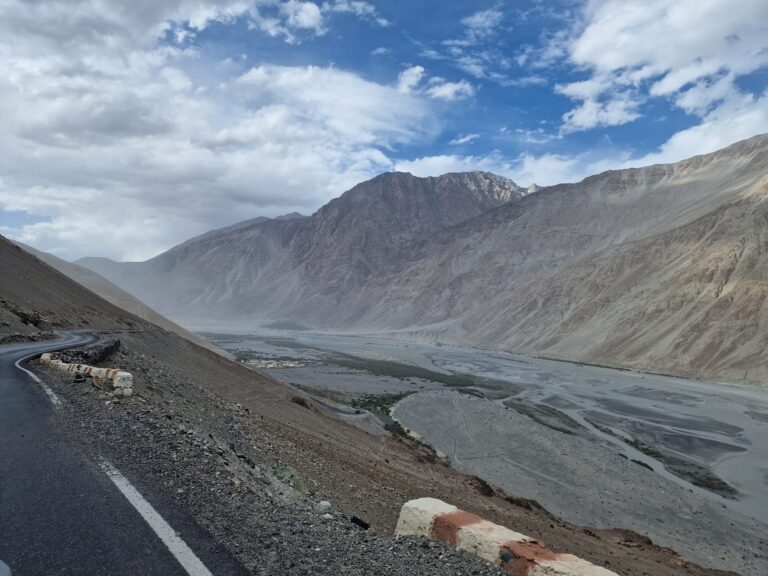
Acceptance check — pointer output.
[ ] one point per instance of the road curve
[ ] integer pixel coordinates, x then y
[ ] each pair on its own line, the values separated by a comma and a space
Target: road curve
60, 514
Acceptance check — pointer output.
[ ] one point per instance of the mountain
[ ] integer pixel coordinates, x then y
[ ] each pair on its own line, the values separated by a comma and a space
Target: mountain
113, 294
298, 265
659, 268
33, 289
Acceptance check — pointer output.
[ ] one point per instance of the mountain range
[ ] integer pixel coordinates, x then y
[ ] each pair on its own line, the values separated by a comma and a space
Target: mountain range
659, 268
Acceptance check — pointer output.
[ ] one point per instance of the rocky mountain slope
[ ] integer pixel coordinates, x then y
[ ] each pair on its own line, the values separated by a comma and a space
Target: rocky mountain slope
289, 266
658, 268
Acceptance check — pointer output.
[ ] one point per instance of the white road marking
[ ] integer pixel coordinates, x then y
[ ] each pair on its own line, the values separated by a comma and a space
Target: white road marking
55, 400
164, 531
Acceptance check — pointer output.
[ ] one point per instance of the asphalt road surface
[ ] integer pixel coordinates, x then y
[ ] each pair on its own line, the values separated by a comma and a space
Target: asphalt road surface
65, 512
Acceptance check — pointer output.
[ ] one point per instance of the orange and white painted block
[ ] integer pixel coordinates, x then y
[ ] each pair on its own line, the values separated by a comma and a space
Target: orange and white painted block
520, 555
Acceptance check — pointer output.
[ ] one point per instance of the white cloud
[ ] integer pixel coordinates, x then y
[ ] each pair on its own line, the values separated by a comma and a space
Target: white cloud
676, 41
359, 8
526, 81
464, 139
738, 118
409, 79
549, 169
381, 51
477, 51
690, 51
304, 15
156, 142
439, 89
482, 24
592, 113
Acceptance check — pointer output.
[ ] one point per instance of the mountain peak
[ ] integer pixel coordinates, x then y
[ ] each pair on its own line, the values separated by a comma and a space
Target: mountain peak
290, 216
478, 184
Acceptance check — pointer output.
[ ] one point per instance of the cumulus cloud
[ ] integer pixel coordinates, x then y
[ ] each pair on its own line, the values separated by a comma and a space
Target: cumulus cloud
115, 136
689, 51
409, 79
306, 15
592, 113
437, 88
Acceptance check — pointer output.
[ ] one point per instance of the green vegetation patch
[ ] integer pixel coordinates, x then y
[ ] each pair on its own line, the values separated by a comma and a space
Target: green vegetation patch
378, 403
398, 370
545, 415
699, 475
645, 449
683, 468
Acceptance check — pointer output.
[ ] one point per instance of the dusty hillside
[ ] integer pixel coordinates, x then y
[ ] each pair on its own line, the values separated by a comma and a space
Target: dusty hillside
97, 284
29, 286
692, 300
657, 268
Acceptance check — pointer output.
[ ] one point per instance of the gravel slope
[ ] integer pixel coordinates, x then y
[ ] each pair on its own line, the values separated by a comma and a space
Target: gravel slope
581, 481
204, 457
228, 443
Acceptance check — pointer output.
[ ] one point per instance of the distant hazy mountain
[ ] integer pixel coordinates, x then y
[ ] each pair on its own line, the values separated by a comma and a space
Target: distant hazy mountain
660, 268
35, 287
113, 294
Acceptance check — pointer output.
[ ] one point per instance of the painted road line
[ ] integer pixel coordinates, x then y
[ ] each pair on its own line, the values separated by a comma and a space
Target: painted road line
55, 400
164, 531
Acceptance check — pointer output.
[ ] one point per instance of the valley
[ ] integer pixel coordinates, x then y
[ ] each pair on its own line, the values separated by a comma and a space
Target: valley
664, 456
367, 288
582, 362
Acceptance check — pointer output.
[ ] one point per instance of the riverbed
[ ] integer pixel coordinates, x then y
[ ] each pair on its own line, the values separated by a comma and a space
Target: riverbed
684, 462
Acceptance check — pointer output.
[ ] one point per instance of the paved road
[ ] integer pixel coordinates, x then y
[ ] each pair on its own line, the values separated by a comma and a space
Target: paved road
60, 513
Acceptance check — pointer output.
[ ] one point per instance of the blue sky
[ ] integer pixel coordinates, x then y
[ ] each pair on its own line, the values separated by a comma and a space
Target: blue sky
165, 118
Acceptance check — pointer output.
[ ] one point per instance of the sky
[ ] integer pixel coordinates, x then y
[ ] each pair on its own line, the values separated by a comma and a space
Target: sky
128, 127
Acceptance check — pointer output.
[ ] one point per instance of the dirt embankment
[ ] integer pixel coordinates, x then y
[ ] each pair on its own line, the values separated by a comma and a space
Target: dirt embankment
178, 441
238, 433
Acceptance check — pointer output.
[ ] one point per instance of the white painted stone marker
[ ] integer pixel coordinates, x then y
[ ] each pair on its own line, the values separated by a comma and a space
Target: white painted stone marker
517, 553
